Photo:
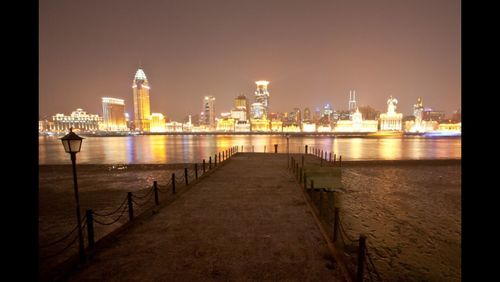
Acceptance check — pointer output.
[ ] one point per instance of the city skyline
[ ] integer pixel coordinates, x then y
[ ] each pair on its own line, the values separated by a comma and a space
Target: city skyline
312, 53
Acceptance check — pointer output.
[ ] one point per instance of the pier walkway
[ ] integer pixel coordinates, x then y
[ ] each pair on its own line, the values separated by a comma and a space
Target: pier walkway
246, 221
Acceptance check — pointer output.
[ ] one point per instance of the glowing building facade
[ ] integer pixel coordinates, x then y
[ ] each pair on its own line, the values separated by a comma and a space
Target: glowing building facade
258, 111
157, 123
419, 125
240, 111
142, 112
113, 114
352, 101
356, 124
307, 114
79, 120
262, 97
391, 121
209, 112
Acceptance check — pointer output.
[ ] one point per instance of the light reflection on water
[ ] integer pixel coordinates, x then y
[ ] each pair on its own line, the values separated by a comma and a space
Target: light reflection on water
160, 149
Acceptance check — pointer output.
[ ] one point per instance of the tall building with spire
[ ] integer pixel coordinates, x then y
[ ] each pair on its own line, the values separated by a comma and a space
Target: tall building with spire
262, 97
142, 112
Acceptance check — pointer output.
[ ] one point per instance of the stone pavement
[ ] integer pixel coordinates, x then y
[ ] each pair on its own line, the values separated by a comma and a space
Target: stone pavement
247, 221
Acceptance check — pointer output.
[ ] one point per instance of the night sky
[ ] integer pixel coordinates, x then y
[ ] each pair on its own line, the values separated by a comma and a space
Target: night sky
312, 52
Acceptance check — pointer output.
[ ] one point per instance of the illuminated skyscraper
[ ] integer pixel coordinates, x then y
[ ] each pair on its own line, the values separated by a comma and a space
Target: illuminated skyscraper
327, 111
142, 111
241, 102
262, 97
307, 114
241, 109
113, 114
258, 111
209, 111
297, 117
352, 101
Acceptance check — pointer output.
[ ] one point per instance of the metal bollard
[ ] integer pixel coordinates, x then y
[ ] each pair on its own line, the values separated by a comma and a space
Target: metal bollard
203, 166
173, 183
155, 188
361, 257
320, 206
335, 225
186, 177
195, 171
130, 206
90, 228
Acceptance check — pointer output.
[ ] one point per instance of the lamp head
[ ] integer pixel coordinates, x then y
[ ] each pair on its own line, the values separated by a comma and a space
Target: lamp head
72, 143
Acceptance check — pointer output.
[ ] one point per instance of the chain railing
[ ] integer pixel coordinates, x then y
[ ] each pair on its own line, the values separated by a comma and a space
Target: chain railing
297, 169
140, 199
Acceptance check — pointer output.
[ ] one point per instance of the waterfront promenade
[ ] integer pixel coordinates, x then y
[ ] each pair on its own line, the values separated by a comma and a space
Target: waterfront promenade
247, 220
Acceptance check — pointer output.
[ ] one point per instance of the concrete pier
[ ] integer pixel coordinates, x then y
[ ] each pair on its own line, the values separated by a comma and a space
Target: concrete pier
248, 220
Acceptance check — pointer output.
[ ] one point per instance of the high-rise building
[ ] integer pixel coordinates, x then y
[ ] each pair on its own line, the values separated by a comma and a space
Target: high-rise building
113, 114
241, 109
327, 111
262, 97
209, 111
142, 112
241, 102
307, 114
297, 119
352, 101
258, 111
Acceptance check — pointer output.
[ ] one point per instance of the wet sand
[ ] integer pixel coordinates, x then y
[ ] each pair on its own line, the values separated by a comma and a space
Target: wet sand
411, 215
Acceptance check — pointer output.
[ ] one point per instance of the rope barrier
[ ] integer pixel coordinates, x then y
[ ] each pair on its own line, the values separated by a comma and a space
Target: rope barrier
342, 229
180, 180
169, 182
141, 204
144, 196
109, 223
60, 240
369, 273
163, 190
111, 213
373, 265
60, 251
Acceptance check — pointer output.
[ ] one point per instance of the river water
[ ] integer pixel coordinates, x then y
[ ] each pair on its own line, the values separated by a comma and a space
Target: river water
162, 149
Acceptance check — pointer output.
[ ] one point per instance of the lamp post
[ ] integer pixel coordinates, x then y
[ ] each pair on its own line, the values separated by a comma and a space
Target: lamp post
72, 144
287, 151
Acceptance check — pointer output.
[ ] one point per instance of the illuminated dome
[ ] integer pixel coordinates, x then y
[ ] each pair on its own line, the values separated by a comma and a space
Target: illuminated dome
140, 75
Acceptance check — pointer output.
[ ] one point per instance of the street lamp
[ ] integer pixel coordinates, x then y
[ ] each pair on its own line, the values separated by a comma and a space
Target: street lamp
72, 144
287, 150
